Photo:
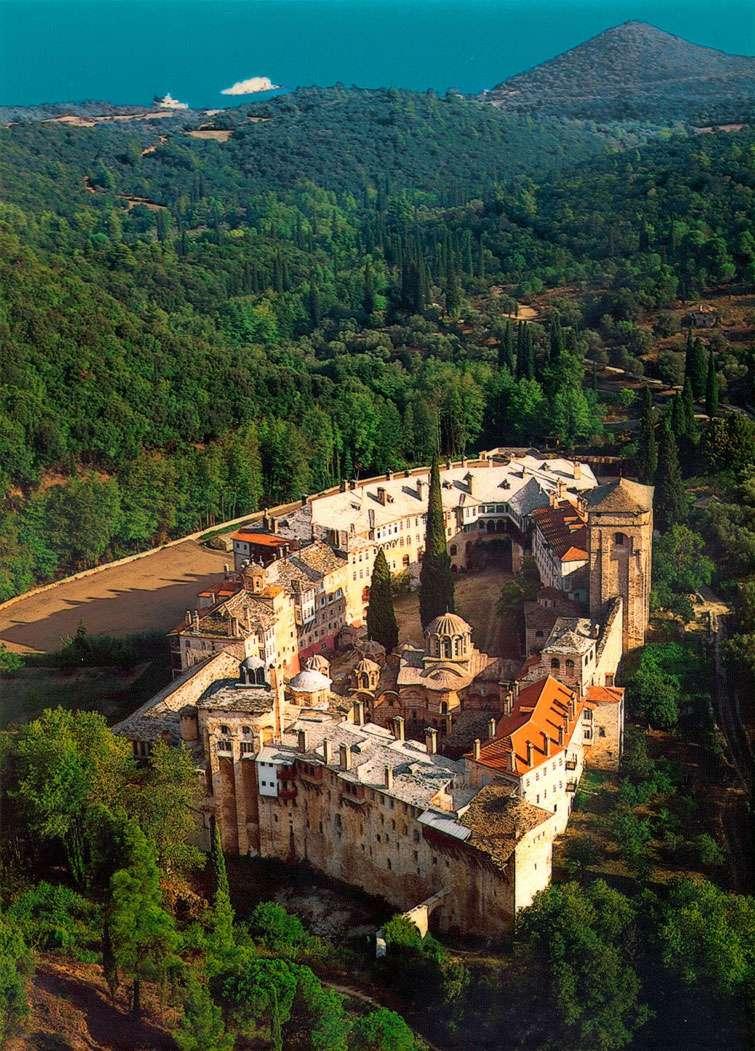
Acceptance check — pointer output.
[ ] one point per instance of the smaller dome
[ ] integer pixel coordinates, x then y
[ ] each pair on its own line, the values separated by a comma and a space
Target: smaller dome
309, 681
252, 663
448, 624
368, 666
318, 663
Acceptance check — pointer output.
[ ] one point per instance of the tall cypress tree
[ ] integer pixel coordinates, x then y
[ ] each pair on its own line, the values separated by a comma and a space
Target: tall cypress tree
368, 291
436, 582
711, 386
647, 446
695, 366
221, 938
670, 498
381, 616
688, 414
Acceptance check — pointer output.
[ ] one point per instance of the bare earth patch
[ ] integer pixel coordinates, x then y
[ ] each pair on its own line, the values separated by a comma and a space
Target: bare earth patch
150, 594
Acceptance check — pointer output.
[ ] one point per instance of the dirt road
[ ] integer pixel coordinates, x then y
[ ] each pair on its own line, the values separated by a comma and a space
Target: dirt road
150, 594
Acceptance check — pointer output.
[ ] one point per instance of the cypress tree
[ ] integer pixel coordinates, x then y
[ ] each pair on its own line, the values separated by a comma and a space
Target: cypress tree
711, 386
676, 418
221, 924
368, 291
453, 298
695, 366
313, 303
381, 616
436, 582
529, 353
647, 447
688, 414
670, 498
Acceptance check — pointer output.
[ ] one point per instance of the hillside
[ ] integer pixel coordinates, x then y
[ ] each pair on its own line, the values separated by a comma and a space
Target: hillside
636, 71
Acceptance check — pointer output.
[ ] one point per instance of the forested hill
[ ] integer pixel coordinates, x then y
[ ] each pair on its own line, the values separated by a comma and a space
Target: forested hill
192, 329
636, 71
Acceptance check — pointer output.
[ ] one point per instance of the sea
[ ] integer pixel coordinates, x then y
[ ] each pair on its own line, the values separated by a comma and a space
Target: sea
127, 51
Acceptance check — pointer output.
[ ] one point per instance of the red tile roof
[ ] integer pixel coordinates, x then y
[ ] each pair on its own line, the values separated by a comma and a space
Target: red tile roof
259, 539
563, 527
538, 712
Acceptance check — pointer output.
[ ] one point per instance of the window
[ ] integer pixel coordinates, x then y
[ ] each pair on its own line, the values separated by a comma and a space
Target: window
555, 663
452, 550
619, 539
570, 666
224, 730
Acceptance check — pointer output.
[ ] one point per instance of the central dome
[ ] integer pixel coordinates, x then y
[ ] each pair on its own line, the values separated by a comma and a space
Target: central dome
448, 624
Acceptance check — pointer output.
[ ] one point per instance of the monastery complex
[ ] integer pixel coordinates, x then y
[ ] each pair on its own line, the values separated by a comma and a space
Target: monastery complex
437, 776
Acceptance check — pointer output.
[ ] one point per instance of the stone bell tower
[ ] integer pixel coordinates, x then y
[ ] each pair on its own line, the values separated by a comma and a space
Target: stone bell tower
620, 544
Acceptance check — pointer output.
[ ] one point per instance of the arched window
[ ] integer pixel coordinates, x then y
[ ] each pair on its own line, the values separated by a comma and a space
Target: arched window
452, 549
246, 731
619, 539
444, 707
447, 648
224, 730
570, 665
555, 663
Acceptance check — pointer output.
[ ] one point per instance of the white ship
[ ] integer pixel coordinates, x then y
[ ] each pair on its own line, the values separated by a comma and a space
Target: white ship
168, 102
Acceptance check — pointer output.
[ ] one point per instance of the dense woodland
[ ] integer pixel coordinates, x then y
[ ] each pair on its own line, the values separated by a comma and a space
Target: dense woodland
312, 299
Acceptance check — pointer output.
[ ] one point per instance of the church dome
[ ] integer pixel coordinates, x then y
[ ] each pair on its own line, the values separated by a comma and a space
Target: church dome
318, 663
448, 637
366, 665
448, 624
309, 681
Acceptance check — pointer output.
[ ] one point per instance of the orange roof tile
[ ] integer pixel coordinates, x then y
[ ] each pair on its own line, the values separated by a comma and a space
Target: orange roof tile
259, 539
539, 710
604, 694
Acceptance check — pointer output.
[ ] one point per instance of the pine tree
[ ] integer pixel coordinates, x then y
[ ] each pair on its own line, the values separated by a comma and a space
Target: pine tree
143, 935
221, 921
647, 447
436, 583
202, 1027
381, 617
711, 386
670, 498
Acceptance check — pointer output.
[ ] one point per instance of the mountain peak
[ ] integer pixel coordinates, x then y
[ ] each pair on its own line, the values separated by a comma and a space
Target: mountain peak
635, 70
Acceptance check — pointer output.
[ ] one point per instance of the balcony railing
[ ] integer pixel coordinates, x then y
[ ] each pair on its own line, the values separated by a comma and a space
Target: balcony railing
571, 764
571, 786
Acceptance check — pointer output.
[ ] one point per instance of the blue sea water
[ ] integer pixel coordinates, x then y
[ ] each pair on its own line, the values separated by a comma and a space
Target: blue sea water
126, 51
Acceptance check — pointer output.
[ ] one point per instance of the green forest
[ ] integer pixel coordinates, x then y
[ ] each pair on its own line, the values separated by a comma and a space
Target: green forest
324, 295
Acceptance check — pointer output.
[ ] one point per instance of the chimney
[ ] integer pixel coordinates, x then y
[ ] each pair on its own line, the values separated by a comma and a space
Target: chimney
476, 749
561, 736
304, 499
529, 753
577, 471
352, 483
397, 724
235, 627
381, 495
359, 712
188, 618
431, 740
371, 517
389, 476
327, 752
491, 728
345, 757
388, 771
301, 740
342, 486
189, 726
195, 621
546, 743
420, 488
449, 465
512, 760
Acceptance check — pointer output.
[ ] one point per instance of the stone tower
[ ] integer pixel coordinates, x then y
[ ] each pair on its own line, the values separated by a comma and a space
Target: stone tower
619, 544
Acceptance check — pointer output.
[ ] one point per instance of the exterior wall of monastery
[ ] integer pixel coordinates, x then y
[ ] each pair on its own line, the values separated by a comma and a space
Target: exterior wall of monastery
533, 863
374, 841
611, 645
607, 742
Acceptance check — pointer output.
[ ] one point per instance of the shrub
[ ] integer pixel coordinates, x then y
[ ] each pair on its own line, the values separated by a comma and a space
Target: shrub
56, 918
